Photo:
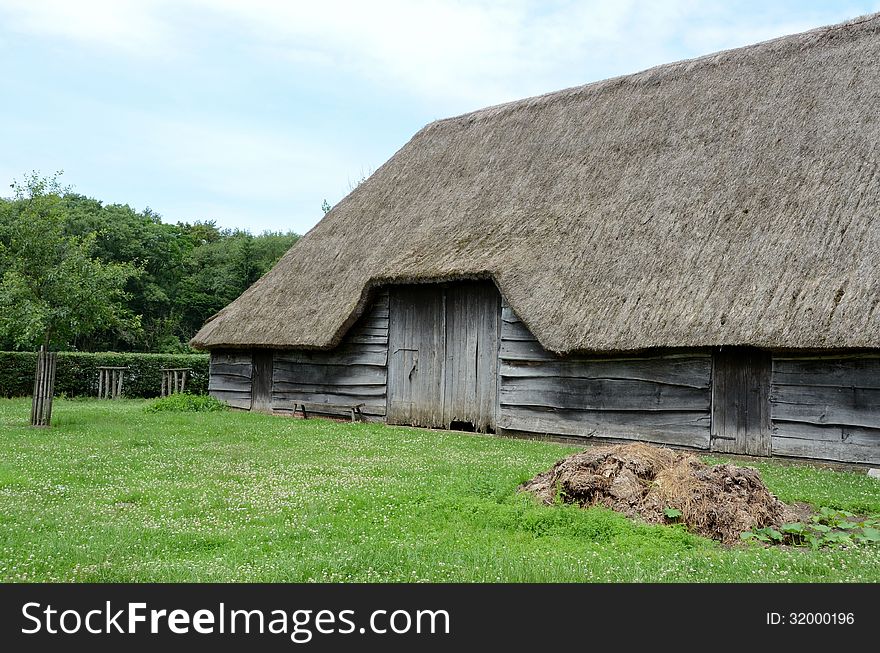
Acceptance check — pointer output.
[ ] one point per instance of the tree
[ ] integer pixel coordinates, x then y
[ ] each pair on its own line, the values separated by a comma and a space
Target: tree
123, 235
219, 269
143, 284
53, 288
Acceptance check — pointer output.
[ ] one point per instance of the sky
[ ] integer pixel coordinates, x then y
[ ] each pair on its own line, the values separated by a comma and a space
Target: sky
253, 112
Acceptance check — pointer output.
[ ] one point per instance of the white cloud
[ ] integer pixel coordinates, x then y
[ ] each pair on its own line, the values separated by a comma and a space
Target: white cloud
456, 53
240, 161
132, 26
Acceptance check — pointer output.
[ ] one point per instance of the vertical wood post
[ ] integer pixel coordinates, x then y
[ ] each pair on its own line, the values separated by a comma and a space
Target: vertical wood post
110, 382
44, 388
174, 380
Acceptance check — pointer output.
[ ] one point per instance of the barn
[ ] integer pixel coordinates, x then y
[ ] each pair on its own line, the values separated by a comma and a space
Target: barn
686, 255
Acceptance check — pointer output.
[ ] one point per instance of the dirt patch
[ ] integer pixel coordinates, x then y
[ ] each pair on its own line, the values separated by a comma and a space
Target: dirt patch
641, 480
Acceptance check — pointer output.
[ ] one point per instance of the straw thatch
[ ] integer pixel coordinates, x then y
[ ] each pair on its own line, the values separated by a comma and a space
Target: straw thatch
731, 199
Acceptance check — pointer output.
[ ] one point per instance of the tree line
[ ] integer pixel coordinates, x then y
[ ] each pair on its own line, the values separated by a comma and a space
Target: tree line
79, 275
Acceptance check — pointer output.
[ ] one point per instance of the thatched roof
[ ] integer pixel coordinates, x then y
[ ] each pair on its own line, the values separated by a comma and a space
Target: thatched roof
731, 199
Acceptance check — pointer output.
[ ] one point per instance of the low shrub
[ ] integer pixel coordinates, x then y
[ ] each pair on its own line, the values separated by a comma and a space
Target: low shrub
77, 372
184, 402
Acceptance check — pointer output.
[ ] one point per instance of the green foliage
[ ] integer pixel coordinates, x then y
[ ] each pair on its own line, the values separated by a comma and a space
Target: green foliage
77, 372
53, 287
113, 493
827, 528
768, 535
184, 402
222, 267
672, 513
122, 280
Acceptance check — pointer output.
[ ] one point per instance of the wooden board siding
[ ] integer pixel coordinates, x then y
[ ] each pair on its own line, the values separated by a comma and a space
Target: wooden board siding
230, 377
826, 407
443, 355
740, 401
660, 398
352, 373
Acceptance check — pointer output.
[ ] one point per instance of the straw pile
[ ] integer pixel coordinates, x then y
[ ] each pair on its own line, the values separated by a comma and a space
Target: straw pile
643, 481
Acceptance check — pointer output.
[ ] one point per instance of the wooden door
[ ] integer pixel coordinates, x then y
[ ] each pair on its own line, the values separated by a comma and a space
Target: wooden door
741, 401
261, 390
443, 355
473, 313
416, 352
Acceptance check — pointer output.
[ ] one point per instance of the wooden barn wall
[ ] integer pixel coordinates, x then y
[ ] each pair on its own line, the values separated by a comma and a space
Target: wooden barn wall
664, 398
826, 407
230, 377
355, 372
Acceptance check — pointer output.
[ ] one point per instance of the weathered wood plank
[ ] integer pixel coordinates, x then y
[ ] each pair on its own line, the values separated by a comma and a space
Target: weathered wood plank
229, 383
380, 332
508, 316
377, 314
345, 354
231, 356
380, 300
342, 403
372, 322
232, 369
330, 374
828, 433
825, 450
243, 380
515, 350
602, 394
234, 399
280, 387
861, 372
367, 339
694, 372
853, 406
516, 331
681, 428
232, 392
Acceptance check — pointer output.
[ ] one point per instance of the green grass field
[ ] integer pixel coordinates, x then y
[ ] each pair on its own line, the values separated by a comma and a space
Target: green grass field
112, 493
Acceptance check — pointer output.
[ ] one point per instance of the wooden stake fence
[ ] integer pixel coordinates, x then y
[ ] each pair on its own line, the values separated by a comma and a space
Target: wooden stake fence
174, 380
44, 388
110, 382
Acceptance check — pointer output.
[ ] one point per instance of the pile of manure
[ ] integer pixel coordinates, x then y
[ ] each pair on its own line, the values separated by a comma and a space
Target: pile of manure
663, 486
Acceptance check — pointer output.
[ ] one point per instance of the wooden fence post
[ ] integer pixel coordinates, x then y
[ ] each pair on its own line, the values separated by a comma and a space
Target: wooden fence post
110, 382
174, 380
44, 388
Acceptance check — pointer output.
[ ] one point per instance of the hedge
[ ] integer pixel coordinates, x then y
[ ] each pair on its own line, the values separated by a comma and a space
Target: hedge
77, 373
